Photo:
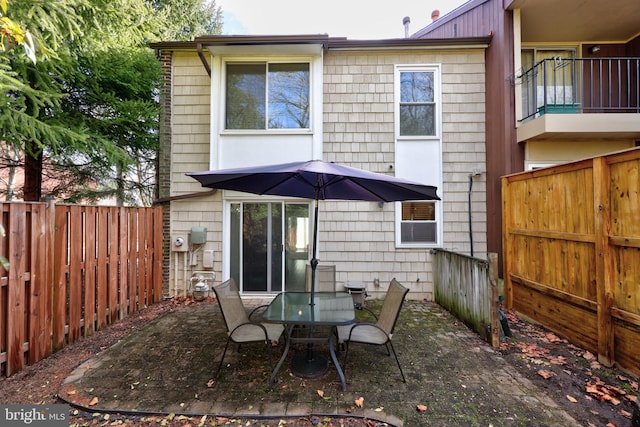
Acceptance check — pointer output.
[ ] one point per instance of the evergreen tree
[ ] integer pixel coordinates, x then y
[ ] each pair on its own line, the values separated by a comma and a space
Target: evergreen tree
86, 113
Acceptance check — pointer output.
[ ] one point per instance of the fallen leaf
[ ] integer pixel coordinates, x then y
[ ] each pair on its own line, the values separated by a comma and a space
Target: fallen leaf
379, 409
552, 338
359, 402
210, 383
320, 393
571, 399
421, 408
615, 390
94, 401
546, 374
72, 392
588, 355
558, 360
592, 388
624, 413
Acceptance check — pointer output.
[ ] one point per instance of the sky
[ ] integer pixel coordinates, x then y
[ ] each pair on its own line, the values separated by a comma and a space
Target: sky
354, 19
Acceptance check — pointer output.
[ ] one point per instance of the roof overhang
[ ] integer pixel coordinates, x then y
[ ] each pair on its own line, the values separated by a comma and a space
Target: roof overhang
308, 45
577, 20
311, 43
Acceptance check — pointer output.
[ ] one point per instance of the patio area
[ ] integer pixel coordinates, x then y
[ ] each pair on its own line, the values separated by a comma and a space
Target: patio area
168, 367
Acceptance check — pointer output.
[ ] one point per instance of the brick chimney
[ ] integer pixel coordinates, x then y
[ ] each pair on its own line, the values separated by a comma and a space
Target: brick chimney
435, 15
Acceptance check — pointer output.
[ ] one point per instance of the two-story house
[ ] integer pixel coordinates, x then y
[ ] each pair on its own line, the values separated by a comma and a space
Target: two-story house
563, 82
412, 108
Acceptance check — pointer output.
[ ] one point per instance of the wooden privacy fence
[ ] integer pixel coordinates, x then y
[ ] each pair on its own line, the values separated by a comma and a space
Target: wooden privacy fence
73, 270
468, 288
572, 252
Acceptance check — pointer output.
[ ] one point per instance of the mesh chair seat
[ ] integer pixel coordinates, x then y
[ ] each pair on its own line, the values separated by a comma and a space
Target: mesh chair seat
364, 333
249, 332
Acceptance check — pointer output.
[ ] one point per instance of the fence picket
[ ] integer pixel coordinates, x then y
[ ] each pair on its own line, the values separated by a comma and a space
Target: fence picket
102, 282
90, 282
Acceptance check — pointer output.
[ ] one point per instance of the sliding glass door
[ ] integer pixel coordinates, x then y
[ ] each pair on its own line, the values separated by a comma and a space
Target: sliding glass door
269, 245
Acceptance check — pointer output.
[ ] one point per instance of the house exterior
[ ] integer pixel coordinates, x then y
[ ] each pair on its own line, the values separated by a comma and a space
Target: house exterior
412, 108
563, 83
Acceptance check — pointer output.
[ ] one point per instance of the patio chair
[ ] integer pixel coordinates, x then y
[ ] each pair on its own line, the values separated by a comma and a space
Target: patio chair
325, 278
240, 329
381, 332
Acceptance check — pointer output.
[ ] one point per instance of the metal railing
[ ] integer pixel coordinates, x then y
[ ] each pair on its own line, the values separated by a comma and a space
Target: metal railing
578, 85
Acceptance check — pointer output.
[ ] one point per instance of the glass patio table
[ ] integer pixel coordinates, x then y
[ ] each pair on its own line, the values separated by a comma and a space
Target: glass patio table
295, 309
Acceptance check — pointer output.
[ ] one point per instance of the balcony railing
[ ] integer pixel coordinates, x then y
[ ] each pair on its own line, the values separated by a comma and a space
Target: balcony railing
566, 85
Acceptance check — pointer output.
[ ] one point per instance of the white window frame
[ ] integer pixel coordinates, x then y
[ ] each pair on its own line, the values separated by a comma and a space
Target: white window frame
266, 60
423, 147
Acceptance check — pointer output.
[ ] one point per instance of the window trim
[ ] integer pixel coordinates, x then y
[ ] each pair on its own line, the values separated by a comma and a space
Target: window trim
428, 139
266, 61
437, 100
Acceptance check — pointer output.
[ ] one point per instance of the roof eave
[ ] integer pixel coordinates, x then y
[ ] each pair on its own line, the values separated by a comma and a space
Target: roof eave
330, 43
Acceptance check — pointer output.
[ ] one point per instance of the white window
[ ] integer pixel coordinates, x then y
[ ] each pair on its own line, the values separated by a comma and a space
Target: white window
262, 95
417, 103
418, 223
418, 152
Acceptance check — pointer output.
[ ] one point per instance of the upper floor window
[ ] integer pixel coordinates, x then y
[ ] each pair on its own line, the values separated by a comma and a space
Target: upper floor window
267, 96
417, 103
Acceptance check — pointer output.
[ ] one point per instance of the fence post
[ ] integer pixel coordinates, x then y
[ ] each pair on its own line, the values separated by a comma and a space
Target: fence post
601, 189
494, 312
16, 332
507, 244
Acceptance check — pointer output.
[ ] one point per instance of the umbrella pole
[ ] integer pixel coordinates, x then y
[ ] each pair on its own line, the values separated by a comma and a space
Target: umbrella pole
311, 365
314, 260
314, 265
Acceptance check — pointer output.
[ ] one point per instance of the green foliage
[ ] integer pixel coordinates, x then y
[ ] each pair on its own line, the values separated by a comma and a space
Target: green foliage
187, 19
88, 109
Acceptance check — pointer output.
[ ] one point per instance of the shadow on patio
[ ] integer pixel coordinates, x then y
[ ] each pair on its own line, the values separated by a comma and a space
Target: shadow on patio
168, 366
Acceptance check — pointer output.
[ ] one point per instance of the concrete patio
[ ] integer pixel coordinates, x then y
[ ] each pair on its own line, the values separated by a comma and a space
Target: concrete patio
168, 367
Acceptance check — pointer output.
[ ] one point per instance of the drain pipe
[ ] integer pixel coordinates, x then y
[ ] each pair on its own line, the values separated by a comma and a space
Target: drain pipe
471, 175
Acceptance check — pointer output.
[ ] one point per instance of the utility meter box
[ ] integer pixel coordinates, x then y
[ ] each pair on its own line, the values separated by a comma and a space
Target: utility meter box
198, 235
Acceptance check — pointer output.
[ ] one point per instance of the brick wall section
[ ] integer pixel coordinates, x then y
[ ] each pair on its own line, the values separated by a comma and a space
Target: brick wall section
163, 169
359, 131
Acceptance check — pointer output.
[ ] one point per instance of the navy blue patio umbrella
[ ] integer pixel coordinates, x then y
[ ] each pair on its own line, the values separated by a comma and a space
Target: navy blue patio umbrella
318, 180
